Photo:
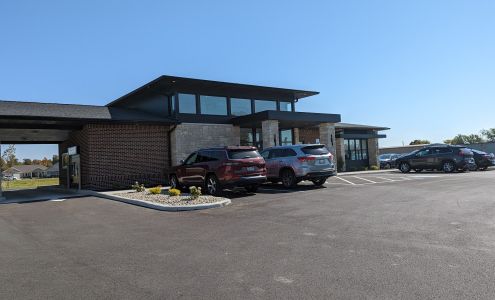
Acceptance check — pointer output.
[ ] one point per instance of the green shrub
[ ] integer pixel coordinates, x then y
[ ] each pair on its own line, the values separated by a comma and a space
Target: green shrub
138, 187
195, 192
173, 192
374, 168
155, 190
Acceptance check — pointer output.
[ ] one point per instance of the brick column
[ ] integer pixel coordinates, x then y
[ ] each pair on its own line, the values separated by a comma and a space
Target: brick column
269, 130
296, 136
327, 137
1, 175
373, 152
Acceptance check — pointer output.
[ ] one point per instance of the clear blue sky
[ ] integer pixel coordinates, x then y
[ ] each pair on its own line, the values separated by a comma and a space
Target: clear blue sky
424, 68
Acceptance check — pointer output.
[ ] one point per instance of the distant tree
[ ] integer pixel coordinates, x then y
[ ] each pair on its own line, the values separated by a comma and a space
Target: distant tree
27, 161
489, 134
448, 142
8, 157
463, 139
46, 162
36, 162
419, 142
3, 164
55, 159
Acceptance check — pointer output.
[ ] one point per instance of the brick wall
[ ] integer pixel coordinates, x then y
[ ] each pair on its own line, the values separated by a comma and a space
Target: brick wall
116, 155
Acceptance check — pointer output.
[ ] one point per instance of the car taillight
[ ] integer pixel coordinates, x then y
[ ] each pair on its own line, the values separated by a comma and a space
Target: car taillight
306, 158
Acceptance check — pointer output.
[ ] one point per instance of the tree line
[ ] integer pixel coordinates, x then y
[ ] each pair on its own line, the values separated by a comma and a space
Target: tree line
9, 159
485, 135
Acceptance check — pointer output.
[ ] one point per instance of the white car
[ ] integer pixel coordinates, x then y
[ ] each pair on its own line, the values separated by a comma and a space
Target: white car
8, 178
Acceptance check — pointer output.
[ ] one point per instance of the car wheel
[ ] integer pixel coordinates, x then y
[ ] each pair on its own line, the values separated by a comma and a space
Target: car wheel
448, 167
387, 166
319, 181
288, 178
483, 168
174, 182
418, 170
404, 167
213, 185
252, 188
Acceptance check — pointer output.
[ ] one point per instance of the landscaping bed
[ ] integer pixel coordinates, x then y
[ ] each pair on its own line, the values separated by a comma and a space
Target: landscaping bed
165, 199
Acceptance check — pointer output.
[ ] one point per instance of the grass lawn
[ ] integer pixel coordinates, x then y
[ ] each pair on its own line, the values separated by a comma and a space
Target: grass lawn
28, 183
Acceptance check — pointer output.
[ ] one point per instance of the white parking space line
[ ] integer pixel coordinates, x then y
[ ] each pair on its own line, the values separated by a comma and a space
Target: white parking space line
345, 180
370, 181
383, 178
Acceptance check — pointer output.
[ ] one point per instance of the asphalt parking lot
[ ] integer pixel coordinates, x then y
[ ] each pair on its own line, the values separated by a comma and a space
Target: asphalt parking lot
381, 236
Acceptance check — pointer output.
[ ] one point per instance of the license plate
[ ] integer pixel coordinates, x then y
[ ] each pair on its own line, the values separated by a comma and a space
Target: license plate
250, 169
322, 162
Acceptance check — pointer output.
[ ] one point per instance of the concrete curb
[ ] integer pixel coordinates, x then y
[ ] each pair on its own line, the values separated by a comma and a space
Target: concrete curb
161, 207
368, 172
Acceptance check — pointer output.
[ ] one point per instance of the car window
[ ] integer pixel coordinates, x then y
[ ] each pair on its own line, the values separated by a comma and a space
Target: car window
385, 156
265, 154
315, 150
289, 152
275, 153
444, 150
191, 159
241, 153
210, 155
424, 152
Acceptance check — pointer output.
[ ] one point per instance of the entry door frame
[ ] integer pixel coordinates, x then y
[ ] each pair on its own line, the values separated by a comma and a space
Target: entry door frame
76, 160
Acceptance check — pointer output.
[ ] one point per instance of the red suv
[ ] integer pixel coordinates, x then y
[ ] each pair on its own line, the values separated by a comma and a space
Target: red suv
219, 168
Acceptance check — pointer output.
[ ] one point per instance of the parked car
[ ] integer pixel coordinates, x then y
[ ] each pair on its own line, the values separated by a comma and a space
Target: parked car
8, 178
294, 163
218, 168
447, 158
483, 160
388, 161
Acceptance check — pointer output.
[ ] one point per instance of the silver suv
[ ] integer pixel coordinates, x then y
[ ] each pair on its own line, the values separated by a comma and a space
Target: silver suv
294, 163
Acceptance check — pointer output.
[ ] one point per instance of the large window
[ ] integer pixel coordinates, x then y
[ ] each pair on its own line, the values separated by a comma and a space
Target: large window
286, 137
356, 149
261, 105
187, 103
251, 137
240, 107
212, 105
285, 106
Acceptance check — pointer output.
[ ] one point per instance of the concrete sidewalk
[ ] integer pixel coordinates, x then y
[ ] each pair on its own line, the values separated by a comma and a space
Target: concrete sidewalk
40, 194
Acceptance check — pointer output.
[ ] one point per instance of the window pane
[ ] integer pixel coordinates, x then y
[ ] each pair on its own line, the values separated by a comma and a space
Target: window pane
240, 107
187, 103
285, 106
247, 137
212, 105
172, 103
261, 105
286, 137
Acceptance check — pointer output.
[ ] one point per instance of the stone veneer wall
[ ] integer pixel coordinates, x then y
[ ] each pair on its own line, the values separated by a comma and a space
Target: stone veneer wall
116, 155
189, 137
309, 135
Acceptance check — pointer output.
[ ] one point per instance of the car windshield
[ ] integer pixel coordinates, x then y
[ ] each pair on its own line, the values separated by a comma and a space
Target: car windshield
385, 156
315, 150
478, 152
242, 153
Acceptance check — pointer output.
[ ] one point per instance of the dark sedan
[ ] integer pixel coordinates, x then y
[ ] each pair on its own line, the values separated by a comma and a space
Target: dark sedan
438, 157
388, 161
483, 160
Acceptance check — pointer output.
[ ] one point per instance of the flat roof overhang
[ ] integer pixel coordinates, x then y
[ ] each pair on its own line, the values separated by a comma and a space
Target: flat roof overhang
286, 119
167, 84
35, 122
360, 135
